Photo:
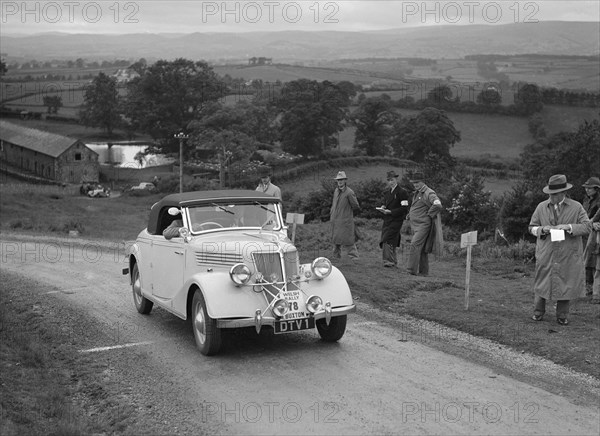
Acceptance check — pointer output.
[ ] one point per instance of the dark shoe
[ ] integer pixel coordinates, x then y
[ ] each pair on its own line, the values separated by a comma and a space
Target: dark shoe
537, 317
562, 321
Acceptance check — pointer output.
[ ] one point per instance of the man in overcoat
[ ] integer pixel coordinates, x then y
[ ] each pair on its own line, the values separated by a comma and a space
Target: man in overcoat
394, 209
591, 204
558, 224
342, 218
424, 210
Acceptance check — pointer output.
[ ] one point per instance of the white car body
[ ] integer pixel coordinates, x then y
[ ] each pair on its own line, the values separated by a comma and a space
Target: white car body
233, 266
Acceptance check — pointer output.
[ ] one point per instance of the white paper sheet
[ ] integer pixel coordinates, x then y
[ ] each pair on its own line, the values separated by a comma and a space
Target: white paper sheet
557, 235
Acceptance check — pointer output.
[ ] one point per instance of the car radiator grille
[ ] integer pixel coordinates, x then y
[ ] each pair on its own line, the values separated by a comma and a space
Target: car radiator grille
204, 258
269, 265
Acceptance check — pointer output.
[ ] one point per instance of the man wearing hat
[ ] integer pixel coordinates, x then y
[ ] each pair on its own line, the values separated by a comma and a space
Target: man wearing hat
394, 209
558, 224
591, 204
342, 218
266, 186
424, 217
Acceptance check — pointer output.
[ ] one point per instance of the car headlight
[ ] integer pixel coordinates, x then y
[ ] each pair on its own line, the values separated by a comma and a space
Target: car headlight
240, 274
321, 267
280, 307
314, 304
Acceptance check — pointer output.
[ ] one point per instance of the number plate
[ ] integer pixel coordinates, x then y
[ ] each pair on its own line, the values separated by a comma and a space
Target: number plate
293, 325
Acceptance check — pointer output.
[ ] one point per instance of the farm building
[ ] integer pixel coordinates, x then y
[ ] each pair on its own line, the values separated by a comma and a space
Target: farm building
47, 155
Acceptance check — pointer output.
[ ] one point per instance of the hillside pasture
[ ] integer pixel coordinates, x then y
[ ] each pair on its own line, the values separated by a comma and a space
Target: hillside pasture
567, 118
286, 73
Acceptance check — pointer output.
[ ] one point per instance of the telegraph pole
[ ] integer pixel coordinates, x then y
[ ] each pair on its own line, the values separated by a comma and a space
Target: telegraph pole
181, 136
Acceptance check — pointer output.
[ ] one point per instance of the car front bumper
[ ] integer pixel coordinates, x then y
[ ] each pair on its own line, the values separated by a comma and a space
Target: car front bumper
263, 320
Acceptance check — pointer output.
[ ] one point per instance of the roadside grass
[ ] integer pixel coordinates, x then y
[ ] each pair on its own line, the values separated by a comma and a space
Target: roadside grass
116, 219
41, 369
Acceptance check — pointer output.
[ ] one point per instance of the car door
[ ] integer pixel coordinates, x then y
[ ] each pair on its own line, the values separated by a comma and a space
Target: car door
168, 262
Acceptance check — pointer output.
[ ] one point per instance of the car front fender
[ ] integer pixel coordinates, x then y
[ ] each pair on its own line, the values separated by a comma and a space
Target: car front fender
225, 300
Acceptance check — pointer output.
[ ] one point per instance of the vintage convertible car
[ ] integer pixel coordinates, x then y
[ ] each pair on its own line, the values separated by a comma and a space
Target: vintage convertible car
232, 265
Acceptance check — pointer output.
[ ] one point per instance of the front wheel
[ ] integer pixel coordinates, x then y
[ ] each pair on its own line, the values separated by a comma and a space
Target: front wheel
206, 332
142, 304
334, 331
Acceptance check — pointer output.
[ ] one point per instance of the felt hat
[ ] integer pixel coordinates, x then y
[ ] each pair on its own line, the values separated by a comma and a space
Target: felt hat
341, 175
557, 183
592, 182
264, 172
392, 175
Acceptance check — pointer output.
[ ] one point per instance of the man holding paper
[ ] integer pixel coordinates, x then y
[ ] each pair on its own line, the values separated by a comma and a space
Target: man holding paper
394, 209
558, 224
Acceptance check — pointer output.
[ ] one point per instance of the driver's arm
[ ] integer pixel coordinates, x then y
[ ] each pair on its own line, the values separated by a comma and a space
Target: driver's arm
173, 230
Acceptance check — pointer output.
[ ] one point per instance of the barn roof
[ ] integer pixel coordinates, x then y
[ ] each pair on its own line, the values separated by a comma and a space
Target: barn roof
41, 141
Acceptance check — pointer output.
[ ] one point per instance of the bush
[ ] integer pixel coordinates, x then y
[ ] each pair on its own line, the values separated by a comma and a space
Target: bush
370, 195
516, 210
471, 207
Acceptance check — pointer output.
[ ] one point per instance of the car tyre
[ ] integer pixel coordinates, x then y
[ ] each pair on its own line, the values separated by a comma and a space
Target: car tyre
207, 334
142, 304
334, 331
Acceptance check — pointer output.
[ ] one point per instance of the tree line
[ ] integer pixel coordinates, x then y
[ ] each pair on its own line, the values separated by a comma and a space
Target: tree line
304, 117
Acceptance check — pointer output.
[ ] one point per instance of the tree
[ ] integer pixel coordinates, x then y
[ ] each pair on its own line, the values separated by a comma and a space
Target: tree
528, 99
489, 96
440, 94
574, 154
311, 114
430, 132
167, 96
374, 120
231, 132
3, 68
100, 106
53, 103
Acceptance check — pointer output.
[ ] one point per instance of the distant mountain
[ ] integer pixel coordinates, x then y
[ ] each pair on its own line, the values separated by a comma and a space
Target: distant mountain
450, 41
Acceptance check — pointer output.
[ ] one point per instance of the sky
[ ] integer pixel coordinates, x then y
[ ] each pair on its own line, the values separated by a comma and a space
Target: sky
154, 16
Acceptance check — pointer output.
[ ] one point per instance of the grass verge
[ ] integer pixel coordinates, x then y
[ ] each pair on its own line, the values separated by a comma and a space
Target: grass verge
44, 379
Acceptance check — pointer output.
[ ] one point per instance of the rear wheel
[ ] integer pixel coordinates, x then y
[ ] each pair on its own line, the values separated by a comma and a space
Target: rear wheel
142, 304
334, 331
206, 332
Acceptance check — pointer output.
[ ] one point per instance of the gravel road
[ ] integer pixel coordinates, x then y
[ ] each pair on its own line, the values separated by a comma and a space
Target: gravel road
390, 374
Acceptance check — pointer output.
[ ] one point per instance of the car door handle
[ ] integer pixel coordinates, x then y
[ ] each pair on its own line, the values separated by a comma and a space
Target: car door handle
179, 252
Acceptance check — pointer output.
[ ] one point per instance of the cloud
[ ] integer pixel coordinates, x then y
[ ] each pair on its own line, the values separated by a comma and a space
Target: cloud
243, 16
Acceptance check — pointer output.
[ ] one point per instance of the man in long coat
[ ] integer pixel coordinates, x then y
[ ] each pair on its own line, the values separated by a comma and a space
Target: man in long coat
394, 209
591, 204
424, 210
558, 224
342, 218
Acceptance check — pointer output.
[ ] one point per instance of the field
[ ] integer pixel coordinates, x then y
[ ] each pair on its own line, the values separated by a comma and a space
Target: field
462, 75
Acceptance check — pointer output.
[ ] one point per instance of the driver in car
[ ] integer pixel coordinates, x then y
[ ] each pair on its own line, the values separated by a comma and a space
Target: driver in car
172, 231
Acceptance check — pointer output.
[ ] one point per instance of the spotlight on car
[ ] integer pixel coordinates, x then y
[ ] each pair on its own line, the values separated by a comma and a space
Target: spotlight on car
321, 267
314, 304
240, 274
280, 307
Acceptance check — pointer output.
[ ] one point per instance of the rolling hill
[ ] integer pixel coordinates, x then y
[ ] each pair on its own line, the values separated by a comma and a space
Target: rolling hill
449, 41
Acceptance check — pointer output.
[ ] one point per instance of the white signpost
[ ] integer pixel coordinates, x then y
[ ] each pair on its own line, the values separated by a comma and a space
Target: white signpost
293, 219
468, 240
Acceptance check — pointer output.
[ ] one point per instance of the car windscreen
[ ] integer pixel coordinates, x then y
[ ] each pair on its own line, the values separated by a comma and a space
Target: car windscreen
219, 215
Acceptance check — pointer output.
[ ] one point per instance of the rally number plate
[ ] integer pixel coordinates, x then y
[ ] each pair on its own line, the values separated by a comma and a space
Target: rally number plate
293, 325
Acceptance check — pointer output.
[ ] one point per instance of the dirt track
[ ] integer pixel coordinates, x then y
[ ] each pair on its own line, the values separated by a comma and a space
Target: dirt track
381, 378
